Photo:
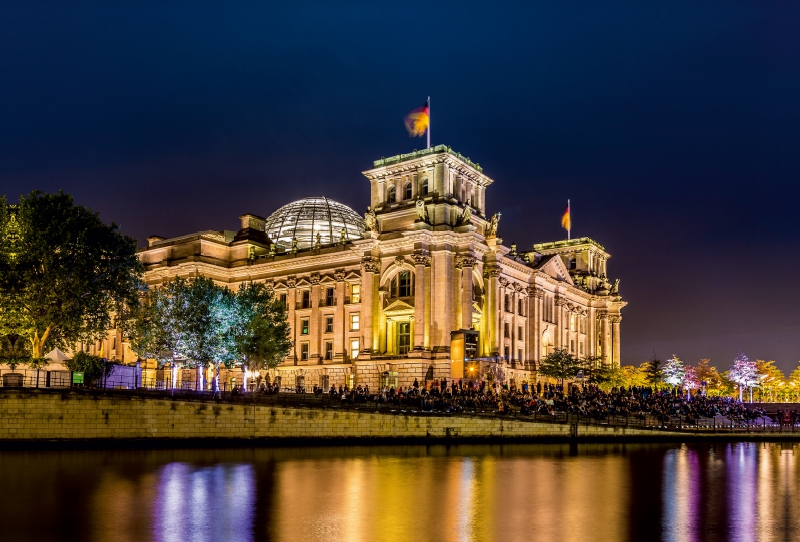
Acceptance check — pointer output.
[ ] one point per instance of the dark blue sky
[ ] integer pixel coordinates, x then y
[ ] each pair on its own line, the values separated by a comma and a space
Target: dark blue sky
672, 126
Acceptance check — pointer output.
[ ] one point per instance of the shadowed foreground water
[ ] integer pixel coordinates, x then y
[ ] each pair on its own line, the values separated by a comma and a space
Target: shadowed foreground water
735, 491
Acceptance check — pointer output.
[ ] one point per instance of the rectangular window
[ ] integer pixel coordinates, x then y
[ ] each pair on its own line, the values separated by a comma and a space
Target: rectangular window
354, 348
505, 303
328, 349
282, 298
507, 352
519, 354
324, 382
355, 293
304, 326
519, 333
303, 351
405, 284
403, 337
519, 307
572, 345
329, 324
354, 321
506, 332
572, 323
580, 347
329, 299
306, 299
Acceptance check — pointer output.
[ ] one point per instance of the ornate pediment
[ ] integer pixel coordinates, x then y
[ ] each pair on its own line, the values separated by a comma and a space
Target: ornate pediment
555, 268
399, 307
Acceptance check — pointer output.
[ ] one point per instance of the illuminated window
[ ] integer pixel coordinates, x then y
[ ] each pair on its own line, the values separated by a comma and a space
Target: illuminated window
403, 337
572, 323
354, 349
391, 196
329, 324
355, 293
303, 351
407, 194
405, 284
424, 189
354, 321
304, 326
328, 350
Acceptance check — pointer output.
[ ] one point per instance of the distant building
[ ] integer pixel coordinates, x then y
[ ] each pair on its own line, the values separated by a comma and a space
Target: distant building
374, 300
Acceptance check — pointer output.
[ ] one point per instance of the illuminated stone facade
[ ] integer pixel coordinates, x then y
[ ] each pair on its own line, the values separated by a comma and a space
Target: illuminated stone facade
379, 310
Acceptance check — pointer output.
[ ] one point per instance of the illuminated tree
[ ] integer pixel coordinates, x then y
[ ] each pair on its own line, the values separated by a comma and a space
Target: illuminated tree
710, 375
770, 378
634, 376
63, 272
673, 371
653, 371
560, 365
690, 381
743, 373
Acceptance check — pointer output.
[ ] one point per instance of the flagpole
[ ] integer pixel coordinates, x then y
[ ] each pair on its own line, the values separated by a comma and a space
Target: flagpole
569, 212
429, 122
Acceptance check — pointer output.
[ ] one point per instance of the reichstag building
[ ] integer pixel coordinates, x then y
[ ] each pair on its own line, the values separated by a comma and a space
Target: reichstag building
376, 299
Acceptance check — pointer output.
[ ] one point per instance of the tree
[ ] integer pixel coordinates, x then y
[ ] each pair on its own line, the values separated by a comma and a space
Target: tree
634, 376
63, 272
710, 375
770, 378
560, 365
743, 373
262, 337
673, 371
690, 381
653, 371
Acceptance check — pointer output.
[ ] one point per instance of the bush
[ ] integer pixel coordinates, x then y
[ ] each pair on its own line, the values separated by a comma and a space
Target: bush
91, 366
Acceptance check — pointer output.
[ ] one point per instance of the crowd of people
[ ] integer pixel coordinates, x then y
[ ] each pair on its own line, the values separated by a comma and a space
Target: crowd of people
542, 400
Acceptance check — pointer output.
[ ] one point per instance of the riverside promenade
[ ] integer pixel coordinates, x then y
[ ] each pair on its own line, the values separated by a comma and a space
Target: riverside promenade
69, 415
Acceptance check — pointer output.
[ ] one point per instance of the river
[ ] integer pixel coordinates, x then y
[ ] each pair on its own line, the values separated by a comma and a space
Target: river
565, 493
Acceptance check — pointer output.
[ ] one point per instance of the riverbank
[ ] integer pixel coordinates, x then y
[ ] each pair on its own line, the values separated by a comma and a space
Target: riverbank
95, 418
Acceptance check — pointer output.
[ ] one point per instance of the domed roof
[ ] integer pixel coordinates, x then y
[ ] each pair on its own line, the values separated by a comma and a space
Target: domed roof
303, 219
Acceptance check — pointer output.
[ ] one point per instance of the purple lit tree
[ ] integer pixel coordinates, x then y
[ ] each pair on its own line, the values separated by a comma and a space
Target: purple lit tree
690, 380
743, 372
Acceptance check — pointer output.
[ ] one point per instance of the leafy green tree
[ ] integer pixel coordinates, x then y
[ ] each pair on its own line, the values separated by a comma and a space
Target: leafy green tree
63, 272
261, 336
560, 365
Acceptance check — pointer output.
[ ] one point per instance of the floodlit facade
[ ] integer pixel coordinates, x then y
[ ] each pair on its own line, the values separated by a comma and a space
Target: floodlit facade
373, 299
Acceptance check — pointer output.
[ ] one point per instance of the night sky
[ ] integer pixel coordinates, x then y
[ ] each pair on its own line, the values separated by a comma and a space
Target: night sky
672, 126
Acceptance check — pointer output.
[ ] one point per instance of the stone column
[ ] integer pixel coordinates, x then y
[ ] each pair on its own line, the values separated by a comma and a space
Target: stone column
291, 301
466, 263
602, 330
492, 314
369, 266
339, 326
314, 332
615, 321
421, 260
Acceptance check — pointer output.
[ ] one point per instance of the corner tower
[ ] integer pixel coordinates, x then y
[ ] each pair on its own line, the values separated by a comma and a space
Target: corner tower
435, 188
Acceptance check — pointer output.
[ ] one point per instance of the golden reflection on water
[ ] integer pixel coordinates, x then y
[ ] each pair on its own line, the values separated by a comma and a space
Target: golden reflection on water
682, 493
452, 499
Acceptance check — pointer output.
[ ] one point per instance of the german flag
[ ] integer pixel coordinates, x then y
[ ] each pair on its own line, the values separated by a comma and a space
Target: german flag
566, 221
418, 120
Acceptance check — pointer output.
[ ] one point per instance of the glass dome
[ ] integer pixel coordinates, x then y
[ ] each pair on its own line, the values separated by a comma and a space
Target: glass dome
304, 219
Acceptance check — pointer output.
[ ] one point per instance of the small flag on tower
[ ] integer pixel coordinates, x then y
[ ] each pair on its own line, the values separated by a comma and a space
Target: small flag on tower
418, 121
566, 221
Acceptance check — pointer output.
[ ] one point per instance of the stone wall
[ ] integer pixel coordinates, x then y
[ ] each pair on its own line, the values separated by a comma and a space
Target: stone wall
45, 414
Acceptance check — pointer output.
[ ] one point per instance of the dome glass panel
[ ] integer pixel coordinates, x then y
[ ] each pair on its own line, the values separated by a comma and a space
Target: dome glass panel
304, 219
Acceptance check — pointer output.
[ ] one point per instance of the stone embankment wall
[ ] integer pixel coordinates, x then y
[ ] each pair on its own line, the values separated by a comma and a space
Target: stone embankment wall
66, 415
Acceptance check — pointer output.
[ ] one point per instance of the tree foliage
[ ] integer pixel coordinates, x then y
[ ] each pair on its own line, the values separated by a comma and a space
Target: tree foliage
63, 272
560, 365
673, 371
92, 367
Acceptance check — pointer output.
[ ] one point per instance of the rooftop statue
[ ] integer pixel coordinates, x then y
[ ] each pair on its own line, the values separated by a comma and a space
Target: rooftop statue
492, 230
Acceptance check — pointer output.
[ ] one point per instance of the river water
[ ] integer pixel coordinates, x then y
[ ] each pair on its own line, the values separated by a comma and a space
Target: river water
565, 493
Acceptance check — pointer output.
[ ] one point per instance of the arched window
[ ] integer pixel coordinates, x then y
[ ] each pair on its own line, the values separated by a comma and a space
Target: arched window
424, 189
391, 195
407, 194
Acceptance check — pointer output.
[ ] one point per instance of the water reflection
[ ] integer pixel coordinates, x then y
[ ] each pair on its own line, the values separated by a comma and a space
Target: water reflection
687, 493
